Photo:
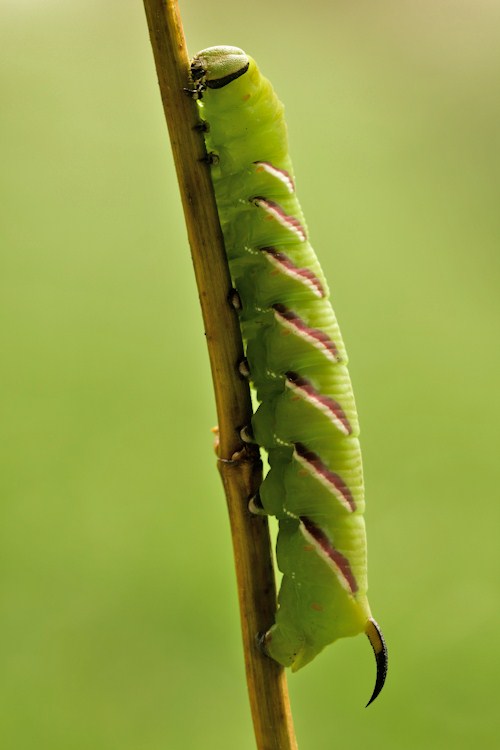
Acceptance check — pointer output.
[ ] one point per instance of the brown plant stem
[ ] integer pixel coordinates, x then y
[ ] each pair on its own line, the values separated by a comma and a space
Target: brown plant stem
239, 465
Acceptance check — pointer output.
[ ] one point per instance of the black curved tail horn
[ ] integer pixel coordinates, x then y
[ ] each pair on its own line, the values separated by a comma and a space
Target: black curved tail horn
378, 644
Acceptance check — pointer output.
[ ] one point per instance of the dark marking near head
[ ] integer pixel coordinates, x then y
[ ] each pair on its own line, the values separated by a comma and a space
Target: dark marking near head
379, 646
219, 83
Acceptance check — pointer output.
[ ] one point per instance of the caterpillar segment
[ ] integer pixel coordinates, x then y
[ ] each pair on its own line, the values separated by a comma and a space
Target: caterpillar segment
296, 360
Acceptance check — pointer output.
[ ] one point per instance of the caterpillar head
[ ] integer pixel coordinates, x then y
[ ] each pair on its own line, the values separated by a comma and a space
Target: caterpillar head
215, 67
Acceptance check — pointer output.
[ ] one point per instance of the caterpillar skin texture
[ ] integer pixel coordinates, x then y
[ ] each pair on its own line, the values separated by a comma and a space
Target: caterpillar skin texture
307, 420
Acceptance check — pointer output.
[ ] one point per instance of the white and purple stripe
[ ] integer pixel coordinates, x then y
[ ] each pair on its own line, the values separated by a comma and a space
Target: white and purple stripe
280, 174
333, 482
274, 211
285, 265
294, 323
327, 406
325, 549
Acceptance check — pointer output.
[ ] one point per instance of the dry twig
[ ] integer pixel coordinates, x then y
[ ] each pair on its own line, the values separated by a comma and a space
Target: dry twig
239, 466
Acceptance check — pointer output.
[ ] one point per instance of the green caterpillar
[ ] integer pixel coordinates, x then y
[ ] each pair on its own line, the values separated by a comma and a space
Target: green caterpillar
307, 420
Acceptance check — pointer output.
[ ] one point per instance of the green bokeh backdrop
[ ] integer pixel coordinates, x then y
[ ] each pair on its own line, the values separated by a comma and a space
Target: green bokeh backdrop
119, 625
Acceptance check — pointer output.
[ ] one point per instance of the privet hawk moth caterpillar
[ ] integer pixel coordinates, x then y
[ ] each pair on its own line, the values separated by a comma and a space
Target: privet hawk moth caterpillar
296, 359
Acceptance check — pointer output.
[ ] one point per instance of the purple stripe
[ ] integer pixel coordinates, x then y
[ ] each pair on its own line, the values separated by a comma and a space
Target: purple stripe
301, 326
302, 274
333, 407
266, 166
275, 210
338, 559
338, 485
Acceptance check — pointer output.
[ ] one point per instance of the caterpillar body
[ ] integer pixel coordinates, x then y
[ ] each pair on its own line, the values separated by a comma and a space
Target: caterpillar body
306, 420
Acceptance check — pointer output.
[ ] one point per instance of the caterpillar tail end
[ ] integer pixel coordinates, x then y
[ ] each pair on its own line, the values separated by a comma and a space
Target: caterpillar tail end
379, 646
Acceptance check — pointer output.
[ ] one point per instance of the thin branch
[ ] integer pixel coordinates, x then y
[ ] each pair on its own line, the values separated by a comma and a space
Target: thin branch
239, 466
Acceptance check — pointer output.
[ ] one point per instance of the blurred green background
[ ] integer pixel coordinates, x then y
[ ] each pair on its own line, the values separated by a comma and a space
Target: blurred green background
119, 625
